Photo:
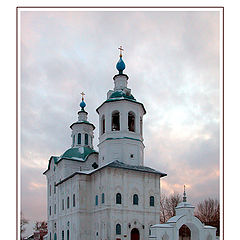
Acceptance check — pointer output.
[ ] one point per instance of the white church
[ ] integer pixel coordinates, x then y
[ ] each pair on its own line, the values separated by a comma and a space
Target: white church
107, 194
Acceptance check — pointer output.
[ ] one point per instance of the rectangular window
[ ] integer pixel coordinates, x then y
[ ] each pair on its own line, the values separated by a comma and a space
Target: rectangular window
96, 200
86, 139
55, 208
79, 138
62, 204
73, 200
54, 187
50, 190
67, 234
102, 197
50, 212
67, 202
62, 235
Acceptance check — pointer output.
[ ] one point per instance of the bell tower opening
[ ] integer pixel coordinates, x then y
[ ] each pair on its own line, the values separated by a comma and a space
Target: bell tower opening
103, 124
131, 121
115, 121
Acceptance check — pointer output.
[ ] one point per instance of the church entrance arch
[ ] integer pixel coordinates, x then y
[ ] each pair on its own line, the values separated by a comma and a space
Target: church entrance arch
184, 233
135, 234
189, 231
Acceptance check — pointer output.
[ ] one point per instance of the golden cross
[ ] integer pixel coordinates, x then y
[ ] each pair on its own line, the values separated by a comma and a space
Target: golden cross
82, 93
121, 49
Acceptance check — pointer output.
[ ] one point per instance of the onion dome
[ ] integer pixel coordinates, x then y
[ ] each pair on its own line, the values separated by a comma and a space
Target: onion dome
82, 104
120, 65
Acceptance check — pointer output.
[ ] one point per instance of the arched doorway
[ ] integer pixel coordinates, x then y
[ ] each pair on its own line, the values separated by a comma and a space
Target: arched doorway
184, 233
135, 234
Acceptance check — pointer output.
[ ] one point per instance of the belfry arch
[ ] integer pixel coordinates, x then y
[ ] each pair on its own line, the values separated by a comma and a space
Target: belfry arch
115, 120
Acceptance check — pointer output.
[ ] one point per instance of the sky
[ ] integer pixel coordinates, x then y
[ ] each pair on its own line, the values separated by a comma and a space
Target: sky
172, 60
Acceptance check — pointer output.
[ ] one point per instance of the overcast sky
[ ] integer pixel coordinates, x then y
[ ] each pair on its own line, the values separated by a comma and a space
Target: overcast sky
172, 60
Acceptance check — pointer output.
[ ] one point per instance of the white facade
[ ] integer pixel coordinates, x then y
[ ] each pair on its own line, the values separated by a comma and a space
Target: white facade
110, 194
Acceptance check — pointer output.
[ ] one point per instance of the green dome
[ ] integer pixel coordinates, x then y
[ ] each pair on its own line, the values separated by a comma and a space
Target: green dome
119, 94
78, 153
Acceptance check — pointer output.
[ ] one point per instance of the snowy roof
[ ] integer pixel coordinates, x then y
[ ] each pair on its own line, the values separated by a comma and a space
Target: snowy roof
122, 98
210, 227
83, 122
174, 219
163, 225
116, 164
75, 154
184, 205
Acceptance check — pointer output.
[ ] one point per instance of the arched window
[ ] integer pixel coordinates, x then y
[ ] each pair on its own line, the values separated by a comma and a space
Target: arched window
62, 235
118, 198
141, 126
55, 236
118, 229
96, 200
103, 124
115, 121
50, 236
54, 187
131, 121
50, 190
55, 208
103, 198
50, 212
86, 139
74, 200
62, 204
79, 138
67, 202
68, 235
135, 199
152, 201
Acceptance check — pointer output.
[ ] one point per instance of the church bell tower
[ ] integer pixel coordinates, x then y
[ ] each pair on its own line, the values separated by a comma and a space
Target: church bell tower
121, 123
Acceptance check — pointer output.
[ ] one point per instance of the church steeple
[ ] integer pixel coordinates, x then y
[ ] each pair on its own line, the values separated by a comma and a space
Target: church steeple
121, 79
82, 114
82, 130
121, 121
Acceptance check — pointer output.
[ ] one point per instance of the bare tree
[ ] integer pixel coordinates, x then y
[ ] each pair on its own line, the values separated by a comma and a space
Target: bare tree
23, 222
167, 206
208, 212
40, 226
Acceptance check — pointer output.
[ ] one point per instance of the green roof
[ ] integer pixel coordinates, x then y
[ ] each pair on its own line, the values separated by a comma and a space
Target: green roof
77, 153
81, 122
121, 94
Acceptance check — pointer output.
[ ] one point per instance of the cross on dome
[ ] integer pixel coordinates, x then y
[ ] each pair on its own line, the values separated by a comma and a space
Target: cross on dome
121, 49
82, 93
